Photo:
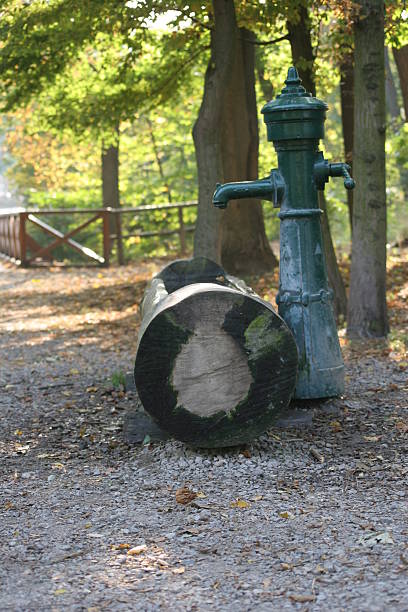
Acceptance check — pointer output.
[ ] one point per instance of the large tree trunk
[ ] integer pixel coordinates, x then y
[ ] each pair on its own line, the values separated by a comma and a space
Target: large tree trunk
226, 143
301, 47
401, 59
110, 193
391, 97
367, 314
303, 59
245, 247
206, 131
347, 112
266, 85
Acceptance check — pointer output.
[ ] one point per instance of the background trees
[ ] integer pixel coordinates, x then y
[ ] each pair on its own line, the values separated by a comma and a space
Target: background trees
367, 313
107, 83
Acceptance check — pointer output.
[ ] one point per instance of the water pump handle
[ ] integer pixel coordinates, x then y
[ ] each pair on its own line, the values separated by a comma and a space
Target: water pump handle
323, 170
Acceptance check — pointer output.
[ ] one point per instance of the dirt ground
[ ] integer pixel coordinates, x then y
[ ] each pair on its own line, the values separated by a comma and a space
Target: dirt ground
312, 516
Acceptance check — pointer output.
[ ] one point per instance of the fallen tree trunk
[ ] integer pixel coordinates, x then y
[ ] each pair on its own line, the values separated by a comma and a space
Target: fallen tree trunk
215, 365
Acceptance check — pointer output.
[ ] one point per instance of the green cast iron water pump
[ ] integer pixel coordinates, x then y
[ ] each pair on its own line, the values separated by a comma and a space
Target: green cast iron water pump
295, 124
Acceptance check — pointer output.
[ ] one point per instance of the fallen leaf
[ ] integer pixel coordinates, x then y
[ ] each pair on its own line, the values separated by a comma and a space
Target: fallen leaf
201, 495
371, 438
336, 426
240, 503
286, 566
74, 372
286, 515
184, 495
179, 570
246, 453
302, 598
137, 550
403, 559
316, 454
60, 591
18, 432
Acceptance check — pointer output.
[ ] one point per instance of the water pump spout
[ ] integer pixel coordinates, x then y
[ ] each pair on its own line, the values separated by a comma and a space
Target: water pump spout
271, 188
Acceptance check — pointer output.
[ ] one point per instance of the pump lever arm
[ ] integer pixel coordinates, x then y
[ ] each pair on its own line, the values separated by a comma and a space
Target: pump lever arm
323, 170
341, 169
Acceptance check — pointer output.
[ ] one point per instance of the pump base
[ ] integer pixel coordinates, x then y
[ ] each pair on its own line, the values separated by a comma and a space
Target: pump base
317, 384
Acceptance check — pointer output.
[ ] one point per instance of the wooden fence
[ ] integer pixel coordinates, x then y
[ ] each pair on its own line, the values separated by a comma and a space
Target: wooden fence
20, 247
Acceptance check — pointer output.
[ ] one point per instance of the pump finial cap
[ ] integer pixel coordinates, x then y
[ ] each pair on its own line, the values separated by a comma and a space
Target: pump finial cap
293, 77
293, 84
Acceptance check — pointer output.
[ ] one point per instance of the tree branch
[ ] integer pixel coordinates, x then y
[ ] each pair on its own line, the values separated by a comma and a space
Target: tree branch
158, 90
264, 43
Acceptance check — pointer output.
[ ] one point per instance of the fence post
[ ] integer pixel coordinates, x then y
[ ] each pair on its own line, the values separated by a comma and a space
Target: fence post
13, 240
119, 239
22, 238
182, 232
106, 236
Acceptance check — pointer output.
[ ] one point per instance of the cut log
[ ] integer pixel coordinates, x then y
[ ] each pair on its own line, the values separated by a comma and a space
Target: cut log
215, 365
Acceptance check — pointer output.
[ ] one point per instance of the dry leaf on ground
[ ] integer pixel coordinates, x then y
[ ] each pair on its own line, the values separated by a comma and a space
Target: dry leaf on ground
240, 503
137, 550
184, 495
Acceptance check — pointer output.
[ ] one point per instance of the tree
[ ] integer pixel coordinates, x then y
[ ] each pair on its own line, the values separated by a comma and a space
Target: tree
367, 311
401, 59
391, 97
347, 112
46, 52
299, 26
226, 141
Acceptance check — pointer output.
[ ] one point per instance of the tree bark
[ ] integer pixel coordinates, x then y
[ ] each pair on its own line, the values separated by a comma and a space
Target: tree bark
391, 97
226, 142
110, 193
301, 47
303, 59
207, 237
401, 59
347, 113
245, 247
266, 85
367, 313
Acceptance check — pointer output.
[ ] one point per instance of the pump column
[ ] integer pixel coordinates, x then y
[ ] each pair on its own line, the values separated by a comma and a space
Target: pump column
295, 123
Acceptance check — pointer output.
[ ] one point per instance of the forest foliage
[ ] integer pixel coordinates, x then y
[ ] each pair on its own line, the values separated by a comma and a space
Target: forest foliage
75, 74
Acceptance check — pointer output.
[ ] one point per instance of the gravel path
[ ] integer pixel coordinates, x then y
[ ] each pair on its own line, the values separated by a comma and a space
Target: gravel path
312, 516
